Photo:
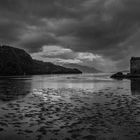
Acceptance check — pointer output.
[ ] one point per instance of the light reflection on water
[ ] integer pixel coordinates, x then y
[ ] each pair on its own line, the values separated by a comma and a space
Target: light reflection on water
13, 87
135, 86
18, 86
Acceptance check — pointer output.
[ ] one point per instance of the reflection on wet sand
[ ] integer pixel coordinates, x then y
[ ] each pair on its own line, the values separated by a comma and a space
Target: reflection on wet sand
11, 89
110, 112
135, 86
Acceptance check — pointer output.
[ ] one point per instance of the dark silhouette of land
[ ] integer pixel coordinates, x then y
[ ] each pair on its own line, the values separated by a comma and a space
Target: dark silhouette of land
14, 61
84, 69
134, 70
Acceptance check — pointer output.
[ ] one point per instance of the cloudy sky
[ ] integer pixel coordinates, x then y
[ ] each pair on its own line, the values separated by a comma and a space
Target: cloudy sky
97, 33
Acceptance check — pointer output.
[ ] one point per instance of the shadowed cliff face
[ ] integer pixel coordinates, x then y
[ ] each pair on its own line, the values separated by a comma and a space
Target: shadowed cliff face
14, 61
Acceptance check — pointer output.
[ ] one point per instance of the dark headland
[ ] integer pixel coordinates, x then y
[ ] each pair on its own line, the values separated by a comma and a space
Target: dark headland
15, 61
134, 70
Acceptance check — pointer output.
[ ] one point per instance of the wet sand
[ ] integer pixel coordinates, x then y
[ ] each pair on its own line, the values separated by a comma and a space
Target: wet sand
71, 114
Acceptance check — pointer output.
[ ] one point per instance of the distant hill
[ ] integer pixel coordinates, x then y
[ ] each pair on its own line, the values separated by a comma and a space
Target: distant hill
84, 69
14, 61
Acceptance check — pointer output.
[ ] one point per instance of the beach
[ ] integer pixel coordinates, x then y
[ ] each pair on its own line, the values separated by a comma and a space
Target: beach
70, 114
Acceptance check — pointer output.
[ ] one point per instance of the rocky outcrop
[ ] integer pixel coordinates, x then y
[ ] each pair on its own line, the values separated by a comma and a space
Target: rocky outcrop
118, 75
14, 61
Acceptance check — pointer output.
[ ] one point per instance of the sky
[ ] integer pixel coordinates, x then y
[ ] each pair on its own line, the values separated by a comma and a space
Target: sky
97, 33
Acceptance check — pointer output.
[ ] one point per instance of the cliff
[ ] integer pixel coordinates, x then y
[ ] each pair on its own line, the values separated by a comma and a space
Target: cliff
14, 61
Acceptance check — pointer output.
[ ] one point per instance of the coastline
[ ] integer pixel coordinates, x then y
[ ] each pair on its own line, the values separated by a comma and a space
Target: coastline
67, 114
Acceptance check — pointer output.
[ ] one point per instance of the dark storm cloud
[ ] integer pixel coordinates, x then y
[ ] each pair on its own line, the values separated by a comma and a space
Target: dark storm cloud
9, 31
102, 27
35, 43
39, 8
106, 26
20, 14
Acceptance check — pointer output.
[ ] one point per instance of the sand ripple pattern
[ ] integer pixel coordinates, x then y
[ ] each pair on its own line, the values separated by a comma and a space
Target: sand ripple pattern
71, 114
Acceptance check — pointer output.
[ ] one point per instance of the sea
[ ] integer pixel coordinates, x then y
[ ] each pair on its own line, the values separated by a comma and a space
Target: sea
94, 82
69, 107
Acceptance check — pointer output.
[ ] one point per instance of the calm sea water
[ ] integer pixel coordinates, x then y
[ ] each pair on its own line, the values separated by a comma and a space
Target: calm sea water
25, 84
13, 87
22, 85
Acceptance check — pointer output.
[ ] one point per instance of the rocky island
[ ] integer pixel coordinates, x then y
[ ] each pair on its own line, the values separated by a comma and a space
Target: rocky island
15, 61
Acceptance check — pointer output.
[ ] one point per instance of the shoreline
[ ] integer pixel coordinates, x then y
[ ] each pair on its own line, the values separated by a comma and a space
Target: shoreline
67, 114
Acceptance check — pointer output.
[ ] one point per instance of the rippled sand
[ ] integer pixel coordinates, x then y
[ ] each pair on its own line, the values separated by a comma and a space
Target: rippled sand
71, 114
